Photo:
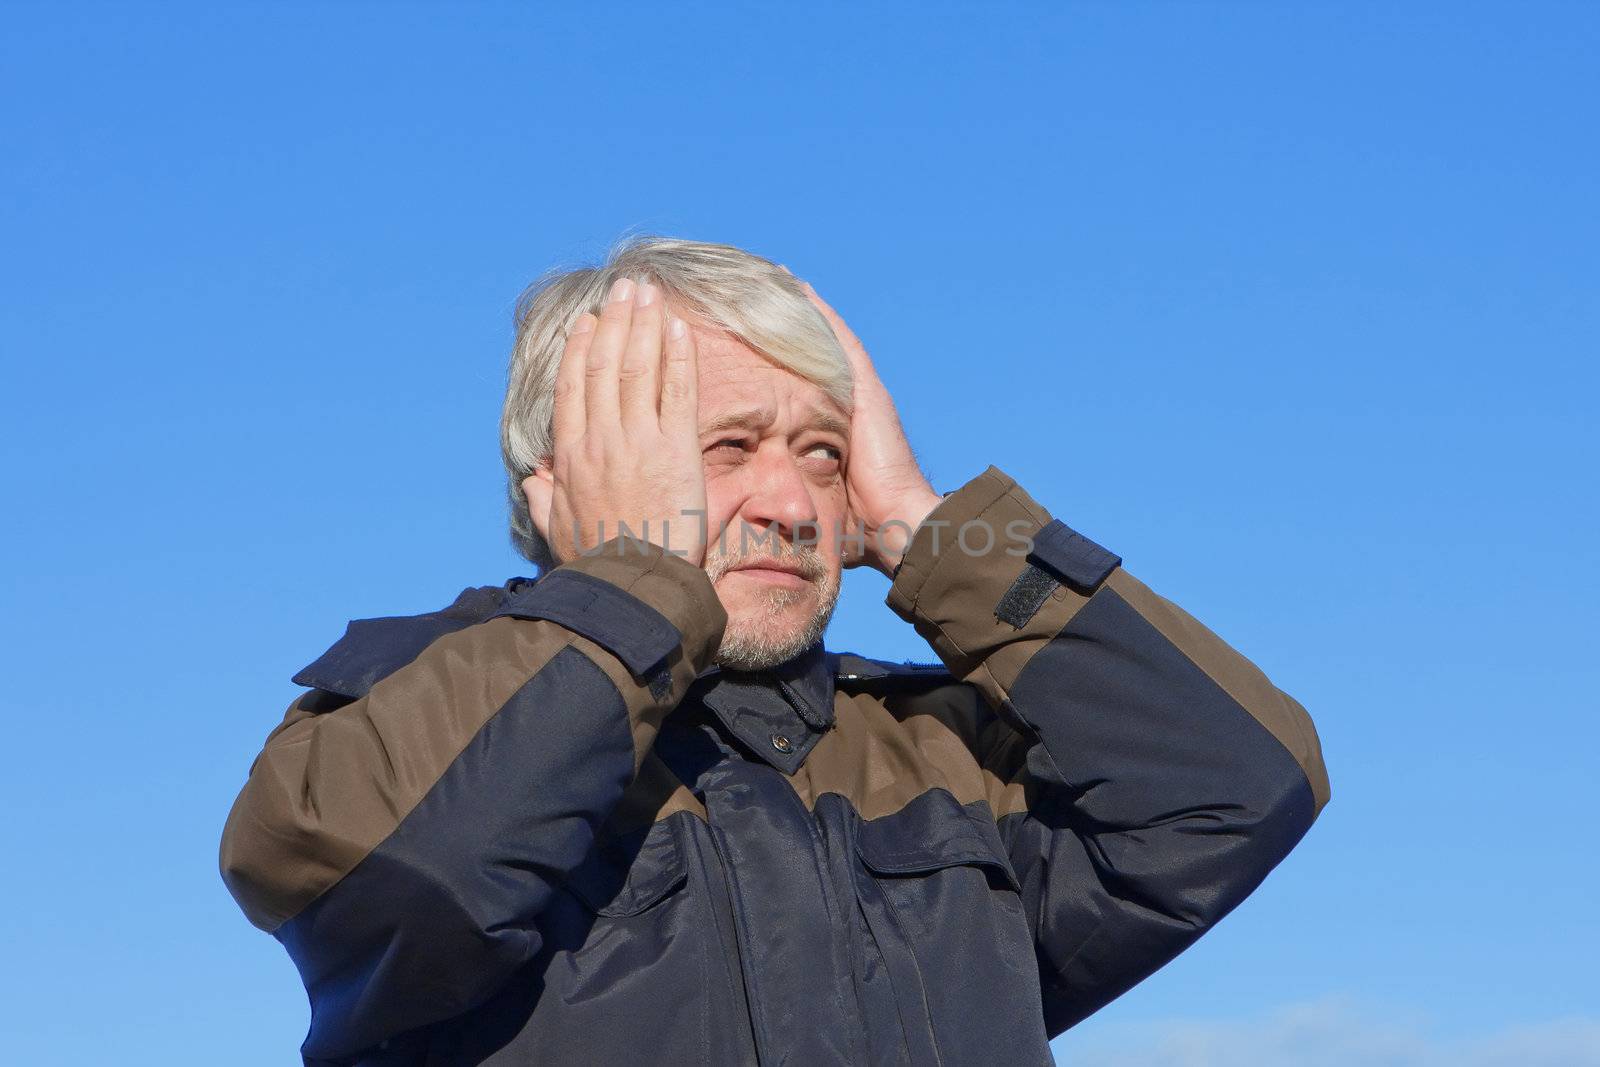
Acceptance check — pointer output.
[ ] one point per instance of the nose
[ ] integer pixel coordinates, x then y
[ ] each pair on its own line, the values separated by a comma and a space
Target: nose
778, 495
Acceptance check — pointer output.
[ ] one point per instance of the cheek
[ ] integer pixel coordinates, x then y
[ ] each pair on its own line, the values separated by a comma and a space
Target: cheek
828, 537
722, 501
832, 520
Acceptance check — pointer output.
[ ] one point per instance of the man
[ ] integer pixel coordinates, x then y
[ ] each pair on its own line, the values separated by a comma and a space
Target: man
636, 809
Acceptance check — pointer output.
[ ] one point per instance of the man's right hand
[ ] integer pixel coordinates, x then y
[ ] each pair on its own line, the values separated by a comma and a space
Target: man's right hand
626, 446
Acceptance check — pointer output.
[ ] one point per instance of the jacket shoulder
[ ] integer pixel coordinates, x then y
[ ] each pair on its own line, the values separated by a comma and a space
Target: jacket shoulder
373, 649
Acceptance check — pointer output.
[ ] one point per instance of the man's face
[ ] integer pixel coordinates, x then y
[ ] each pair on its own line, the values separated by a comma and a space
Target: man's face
774, 447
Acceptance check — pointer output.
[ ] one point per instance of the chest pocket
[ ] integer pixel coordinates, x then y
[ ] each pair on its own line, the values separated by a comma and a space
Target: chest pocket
943, 905
932, 833
628, 875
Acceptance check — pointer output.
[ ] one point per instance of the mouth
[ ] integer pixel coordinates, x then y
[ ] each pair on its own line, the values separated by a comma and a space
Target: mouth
774, 572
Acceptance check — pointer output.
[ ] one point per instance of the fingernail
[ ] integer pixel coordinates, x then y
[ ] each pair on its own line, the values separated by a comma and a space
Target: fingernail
621, 290
675, 329
647, 295
584, 324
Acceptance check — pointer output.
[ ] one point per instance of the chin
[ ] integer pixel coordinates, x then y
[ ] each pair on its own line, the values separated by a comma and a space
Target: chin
763, 632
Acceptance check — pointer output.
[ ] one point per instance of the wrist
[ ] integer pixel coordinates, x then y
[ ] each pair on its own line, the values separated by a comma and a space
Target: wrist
894, 534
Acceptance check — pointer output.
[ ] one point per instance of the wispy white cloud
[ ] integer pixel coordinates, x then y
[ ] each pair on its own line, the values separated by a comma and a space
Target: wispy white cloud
1332, 1032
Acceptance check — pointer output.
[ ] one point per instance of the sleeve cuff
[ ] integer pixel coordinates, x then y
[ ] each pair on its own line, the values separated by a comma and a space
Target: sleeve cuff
985, 564
934, 542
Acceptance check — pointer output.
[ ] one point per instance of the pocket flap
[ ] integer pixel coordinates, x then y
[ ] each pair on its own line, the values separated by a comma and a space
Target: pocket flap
933, 831
624, 876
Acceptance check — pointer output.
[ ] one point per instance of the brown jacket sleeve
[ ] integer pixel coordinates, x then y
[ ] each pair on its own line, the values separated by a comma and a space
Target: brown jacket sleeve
1164, 774
401, 845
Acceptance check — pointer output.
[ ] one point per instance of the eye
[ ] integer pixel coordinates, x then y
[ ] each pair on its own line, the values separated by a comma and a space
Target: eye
735, 443
828, 452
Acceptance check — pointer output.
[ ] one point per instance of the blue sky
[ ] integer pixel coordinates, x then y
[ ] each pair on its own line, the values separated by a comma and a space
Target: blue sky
1292, 306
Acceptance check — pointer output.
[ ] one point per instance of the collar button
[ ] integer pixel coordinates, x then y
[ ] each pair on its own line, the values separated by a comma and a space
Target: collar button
782, 743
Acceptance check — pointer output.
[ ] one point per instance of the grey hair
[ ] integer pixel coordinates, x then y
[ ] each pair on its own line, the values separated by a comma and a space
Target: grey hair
724, 287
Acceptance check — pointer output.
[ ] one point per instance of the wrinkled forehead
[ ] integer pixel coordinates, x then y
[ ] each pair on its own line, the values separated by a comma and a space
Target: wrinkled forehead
739, 386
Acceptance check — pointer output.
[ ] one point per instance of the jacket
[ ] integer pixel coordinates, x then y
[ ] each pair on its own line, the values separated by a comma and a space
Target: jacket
540, 826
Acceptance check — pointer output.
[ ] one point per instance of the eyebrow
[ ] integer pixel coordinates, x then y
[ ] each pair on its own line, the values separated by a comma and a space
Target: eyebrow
757, 418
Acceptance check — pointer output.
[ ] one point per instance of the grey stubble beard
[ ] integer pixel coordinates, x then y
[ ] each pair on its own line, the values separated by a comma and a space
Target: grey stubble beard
749, 644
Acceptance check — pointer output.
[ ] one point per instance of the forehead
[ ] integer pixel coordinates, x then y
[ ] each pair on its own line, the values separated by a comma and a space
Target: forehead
735, 378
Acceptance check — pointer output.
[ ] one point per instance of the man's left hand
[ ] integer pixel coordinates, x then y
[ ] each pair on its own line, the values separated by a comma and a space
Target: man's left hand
888, 493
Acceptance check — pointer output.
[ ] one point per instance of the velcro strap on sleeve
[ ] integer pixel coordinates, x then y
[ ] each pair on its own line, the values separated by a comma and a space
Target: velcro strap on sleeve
1071, 556
1026, 596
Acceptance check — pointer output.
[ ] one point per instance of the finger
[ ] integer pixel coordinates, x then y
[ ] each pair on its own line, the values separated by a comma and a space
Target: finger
843, 332
600, 404
639, 377
679, 381
568, 423
854, 350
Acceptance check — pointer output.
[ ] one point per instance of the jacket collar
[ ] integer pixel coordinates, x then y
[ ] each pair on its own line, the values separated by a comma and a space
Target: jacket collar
779, 715
372, 649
